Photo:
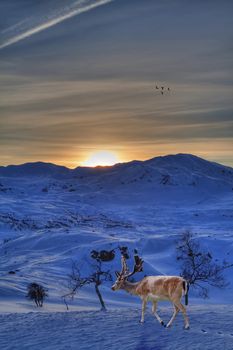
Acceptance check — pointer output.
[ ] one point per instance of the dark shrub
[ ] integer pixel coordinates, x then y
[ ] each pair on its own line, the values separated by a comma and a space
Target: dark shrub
37, 293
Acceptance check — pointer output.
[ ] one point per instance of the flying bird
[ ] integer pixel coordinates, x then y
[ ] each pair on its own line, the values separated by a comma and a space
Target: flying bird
162, 89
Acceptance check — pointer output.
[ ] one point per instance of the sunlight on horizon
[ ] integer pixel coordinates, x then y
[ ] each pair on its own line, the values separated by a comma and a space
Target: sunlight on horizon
101, 158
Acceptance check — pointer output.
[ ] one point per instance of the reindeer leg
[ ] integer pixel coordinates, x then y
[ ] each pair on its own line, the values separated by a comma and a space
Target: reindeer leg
183, 310
154, 306
144, 302
176, 310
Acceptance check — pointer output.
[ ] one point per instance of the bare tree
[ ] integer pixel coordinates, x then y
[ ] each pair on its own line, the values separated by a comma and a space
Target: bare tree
97, 277
37, 293
198, 266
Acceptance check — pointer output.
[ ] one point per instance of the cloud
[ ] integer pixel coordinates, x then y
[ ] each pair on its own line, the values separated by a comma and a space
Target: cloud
90, 84
27, 28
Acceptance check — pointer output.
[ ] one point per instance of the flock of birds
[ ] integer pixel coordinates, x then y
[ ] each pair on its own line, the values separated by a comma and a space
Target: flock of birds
162, 89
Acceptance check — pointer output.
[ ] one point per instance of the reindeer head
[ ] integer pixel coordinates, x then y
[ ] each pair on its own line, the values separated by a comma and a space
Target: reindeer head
125, 273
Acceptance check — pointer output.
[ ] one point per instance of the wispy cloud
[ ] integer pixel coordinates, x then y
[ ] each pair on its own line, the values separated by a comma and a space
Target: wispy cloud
33, 25
89, 84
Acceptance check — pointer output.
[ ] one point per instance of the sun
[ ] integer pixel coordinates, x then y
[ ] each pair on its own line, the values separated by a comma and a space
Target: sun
101, 158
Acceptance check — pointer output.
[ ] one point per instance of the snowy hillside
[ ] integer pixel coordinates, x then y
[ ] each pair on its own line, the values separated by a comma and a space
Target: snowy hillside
52, 215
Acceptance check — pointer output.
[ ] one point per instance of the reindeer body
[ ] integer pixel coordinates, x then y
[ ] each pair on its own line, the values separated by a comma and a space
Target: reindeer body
160, 287
154, 289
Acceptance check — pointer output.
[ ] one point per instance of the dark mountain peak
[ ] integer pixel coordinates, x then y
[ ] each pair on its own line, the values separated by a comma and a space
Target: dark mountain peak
34, 169
179, 157
184, 160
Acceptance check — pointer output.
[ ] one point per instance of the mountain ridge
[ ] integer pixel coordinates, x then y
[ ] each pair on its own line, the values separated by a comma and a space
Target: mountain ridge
40, 168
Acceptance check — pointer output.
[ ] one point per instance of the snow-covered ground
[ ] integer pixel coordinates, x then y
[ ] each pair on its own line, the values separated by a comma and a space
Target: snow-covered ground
51, 215
116, 329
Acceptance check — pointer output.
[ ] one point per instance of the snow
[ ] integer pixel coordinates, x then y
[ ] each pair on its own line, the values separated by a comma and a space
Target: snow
116, 329
51, 215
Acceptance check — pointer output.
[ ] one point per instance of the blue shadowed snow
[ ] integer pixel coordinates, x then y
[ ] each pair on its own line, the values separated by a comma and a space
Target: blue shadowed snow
51, 215
116, 330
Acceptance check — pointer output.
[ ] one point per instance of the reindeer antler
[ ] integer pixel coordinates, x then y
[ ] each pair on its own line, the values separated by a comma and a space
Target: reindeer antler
138, 262
124, 269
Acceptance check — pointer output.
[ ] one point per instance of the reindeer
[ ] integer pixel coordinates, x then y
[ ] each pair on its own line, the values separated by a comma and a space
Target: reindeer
154, 289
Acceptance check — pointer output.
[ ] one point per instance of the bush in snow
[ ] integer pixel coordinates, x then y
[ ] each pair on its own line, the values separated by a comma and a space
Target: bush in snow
103, 255
37, 293
198, 266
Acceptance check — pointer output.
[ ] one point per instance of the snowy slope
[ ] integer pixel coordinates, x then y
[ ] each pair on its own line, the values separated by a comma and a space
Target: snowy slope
116, 329
51, 215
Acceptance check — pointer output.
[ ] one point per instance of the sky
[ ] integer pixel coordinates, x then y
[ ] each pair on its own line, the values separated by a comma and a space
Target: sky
78, 77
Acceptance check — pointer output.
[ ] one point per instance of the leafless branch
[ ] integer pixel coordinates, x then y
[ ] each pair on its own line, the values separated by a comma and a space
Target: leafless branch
198, 266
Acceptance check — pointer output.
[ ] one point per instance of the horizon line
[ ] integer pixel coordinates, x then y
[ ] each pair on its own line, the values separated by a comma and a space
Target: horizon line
117, 163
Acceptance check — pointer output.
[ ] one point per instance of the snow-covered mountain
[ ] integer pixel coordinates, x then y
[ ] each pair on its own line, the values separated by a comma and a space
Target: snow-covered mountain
34, 169
50, 215
183, 165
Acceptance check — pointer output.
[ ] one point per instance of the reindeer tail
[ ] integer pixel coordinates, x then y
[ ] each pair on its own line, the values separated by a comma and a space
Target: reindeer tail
186, 290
